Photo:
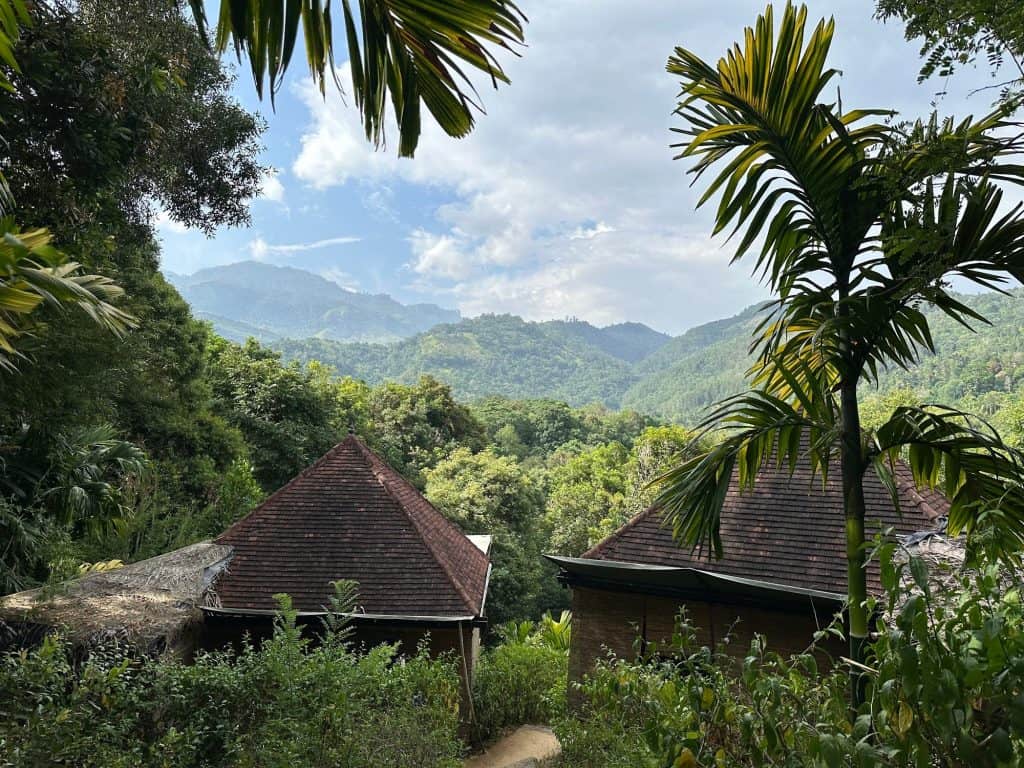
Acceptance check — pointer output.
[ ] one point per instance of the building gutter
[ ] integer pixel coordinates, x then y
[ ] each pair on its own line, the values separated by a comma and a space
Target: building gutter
689, 583
370, 618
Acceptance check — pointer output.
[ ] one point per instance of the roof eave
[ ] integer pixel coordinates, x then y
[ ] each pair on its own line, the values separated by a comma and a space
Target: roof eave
693, 583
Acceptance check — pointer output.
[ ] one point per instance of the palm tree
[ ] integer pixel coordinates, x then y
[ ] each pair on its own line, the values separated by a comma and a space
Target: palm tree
854, 223
412, 51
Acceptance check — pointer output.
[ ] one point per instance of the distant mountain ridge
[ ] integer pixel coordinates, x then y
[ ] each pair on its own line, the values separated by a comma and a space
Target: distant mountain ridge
250, 298
631, 366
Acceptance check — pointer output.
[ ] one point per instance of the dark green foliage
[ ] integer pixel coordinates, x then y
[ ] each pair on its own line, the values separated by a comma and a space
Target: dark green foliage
119, 107
285, 704
255, 299
285, 421
956, 33
117, 92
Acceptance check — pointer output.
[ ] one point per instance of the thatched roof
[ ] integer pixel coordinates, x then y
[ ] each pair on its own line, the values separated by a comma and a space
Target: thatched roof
152, 604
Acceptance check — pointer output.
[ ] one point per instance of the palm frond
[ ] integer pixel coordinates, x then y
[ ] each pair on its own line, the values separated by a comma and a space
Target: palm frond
966, 458
758, 428
34, 273
788, 157
411, 52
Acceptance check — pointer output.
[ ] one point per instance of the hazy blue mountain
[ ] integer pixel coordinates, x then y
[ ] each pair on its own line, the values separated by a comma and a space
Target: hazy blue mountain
269, 302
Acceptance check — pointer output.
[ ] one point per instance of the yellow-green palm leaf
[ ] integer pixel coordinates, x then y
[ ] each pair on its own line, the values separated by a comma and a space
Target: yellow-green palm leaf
32, 274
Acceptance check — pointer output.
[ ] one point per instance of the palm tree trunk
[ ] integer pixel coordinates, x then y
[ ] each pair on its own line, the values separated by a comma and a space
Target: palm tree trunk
852, 460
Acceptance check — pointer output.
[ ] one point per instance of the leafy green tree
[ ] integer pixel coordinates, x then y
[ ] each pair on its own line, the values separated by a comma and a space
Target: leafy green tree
286, 422
132, 110
854, 225
415, 427
105, 97
955, 33
876, 410
587, 498
490, 494
656, 450
413, 52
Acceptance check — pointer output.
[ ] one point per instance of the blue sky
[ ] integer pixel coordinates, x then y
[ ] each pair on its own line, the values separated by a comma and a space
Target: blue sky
565, 201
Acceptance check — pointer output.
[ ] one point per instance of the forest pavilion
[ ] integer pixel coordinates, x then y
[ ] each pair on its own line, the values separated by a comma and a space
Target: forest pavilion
349, 516
782, 573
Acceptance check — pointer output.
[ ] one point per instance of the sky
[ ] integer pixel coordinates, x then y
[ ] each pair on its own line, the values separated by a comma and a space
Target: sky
565, 201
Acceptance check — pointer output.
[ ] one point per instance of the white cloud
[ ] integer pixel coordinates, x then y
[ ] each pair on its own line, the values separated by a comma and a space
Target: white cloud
341, 278
164, 222
261, 250
272, 189
565, 199
440, 255
589, 233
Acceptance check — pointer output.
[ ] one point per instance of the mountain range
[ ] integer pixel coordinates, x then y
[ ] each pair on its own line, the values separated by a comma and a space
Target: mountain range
268, 302
627, 365
631, 366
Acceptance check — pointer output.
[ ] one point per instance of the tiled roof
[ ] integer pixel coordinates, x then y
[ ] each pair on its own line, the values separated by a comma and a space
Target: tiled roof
786, 529
351, 516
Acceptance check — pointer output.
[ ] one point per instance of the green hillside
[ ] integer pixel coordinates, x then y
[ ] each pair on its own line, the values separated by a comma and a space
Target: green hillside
486, 355
708, 363
267, 302
631, 366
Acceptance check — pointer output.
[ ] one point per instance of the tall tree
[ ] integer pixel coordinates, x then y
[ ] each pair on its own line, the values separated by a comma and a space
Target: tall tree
854, 225
488, 494
411, 51
955, 33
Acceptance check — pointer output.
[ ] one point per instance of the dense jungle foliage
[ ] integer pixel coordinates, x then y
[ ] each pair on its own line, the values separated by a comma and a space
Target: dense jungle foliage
123, 449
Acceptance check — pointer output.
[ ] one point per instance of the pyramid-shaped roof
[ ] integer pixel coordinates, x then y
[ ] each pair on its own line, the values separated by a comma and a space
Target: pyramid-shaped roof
351, 516
786, 529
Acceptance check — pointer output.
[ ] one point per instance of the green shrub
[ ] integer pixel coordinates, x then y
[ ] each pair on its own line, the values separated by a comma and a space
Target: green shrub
286, 704
522, 680
946, 690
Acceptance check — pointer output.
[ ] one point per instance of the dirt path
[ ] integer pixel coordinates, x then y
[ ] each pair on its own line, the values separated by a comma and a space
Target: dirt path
528, 742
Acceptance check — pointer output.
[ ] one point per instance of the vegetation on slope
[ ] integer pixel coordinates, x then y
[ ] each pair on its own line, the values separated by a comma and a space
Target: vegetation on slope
675, 379
487, 355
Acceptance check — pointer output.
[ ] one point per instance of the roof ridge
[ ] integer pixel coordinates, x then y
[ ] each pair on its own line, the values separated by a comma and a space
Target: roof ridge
386, 474
910, 486
311, 468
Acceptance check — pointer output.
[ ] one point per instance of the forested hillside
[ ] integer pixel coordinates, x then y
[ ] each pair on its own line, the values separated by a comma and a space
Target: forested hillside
631, 366
264, 301
498, 354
